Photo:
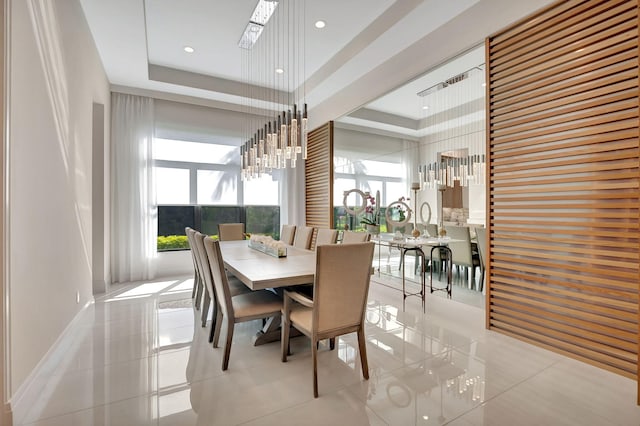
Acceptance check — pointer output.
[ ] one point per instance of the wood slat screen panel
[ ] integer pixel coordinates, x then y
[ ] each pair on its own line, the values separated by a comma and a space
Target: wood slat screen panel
319, 177
563, 182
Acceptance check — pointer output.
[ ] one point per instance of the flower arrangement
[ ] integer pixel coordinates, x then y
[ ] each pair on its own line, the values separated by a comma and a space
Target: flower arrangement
372, 210
400, 210
266, 244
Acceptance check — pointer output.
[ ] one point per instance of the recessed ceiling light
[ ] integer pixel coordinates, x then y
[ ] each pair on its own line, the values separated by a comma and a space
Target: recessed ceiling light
320, 24
484, 84
425, 107
189, 49
279, 71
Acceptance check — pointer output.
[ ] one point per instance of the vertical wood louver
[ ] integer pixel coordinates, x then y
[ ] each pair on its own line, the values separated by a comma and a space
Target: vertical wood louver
319, 177
563, 182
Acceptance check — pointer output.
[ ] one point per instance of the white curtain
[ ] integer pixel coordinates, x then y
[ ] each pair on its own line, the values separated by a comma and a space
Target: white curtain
291, 195
133, 210
410, 161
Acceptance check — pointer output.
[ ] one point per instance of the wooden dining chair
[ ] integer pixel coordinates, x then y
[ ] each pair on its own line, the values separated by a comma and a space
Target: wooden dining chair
340, 292
288, 234
231, 231
303, 238
243, 307
349, 237
326, 236
461, 252
235, 285
198, 283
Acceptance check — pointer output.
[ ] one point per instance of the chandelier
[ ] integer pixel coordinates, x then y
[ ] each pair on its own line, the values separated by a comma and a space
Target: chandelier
454, 118
276, 130
465, 170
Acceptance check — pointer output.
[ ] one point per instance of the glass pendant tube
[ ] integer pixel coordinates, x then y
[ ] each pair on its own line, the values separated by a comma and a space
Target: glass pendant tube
283, 140
278, 144
299, 133
303, 133
294, 132
260, 160
242, 176
287, 146
254, 152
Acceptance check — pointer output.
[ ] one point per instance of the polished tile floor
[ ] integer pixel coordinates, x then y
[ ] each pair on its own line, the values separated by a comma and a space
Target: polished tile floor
138, 356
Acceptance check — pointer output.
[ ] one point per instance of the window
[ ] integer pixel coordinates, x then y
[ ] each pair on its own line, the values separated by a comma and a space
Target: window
217, 187
172, 185
198, 185
262, 191
367, 176
196, 173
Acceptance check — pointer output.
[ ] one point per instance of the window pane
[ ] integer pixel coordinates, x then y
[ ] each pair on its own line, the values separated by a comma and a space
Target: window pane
217, 187
172, 186
261, 192
372, 186
194, 152
171, 223
263, 220
339, 187
383, 168
213, 216
396, 190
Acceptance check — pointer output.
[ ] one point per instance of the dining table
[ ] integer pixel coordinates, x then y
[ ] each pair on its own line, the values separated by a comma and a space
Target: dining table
418, 245
259, 270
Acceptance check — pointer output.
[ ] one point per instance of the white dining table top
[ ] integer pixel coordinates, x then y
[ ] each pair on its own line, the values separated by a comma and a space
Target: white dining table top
410, 242
259, 270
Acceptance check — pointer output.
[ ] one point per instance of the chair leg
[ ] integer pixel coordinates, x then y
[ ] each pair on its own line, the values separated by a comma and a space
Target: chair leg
195, 284
314, 356
205, 308
362, 346
217, 327
214, 320
199, 294
473, 277
284, 339
227, 346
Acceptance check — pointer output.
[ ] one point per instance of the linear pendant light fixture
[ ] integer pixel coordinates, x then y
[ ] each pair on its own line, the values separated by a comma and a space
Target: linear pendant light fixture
275, 64
453, 163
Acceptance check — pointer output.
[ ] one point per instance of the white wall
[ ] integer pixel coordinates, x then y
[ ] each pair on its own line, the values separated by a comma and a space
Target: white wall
173, 263
55, 77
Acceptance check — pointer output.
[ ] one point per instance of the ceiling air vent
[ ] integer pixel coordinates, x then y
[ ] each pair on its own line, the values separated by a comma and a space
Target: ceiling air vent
448, 82
456, 79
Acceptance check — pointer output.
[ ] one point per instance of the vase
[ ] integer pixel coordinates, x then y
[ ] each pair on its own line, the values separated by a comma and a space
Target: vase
373, 229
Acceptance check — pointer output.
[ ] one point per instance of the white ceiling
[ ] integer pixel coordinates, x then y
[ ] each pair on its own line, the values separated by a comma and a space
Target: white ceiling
391, 42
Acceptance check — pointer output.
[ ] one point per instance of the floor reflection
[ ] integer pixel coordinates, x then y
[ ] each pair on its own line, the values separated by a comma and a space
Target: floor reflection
140, 357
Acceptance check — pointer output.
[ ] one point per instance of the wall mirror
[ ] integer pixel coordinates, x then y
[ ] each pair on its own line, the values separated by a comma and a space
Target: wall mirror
431, 130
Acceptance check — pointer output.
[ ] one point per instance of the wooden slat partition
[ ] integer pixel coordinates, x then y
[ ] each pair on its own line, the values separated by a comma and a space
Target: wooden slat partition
563, 182
319, 177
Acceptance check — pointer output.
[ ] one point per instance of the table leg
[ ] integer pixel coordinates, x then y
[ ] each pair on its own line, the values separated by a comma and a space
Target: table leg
423, 288
271, 332
404, 293
449, 271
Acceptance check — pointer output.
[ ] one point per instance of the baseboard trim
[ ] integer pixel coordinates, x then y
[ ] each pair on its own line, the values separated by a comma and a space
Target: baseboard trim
7, 415
27, 387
